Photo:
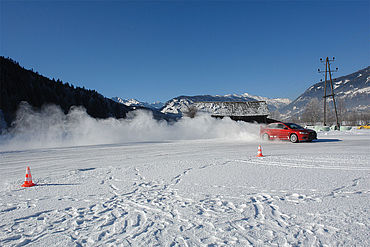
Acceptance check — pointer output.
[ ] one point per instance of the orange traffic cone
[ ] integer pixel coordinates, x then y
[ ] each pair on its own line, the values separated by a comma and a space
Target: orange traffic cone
259, 153
28, 180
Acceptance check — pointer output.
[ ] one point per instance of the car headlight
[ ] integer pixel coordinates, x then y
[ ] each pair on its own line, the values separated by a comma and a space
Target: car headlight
303, 133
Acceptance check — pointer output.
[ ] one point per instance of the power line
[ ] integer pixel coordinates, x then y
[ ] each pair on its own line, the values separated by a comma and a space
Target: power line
328, 71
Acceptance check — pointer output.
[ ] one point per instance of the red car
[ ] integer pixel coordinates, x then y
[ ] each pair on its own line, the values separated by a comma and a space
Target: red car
287, 131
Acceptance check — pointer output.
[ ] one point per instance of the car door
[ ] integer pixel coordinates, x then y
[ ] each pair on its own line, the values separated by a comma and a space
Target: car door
271, 130
282, 132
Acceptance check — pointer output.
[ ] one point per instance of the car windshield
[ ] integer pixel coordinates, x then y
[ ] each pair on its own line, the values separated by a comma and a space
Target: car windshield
294, 126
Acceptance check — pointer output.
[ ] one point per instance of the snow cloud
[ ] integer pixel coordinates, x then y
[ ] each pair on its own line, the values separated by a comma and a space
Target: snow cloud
50, 127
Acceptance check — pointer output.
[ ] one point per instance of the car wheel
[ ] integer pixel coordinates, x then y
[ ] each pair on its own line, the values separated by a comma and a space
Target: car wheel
293, 138
266, 137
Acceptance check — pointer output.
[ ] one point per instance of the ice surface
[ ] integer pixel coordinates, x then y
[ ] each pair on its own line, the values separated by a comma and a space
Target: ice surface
194, 192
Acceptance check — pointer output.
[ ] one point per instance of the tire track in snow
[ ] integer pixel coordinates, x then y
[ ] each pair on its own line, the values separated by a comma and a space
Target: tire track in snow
346, 190
300, 164
153, 213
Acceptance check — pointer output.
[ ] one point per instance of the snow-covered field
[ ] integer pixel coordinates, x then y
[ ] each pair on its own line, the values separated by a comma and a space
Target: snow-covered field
197, 192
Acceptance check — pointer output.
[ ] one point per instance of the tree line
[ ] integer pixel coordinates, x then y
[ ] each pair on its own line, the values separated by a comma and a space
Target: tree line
18, 84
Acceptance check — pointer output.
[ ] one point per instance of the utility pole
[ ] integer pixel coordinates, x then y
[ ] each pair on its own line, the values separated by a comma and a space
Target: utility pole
328, 71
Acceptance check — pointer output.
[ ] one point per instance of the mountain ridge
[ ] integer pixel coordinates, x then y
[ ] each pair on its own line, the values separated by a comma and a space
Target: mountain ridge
352, 92
181, 104
135, 102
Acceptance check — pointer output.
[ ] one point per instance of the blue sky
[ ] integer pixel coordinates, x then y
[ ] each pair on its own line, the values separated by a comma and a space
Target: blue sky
157, 50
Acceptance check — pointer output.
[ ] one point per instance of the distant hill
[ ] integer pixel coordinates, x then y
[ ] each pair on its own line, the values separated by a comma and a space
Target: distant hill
18, 84
351, 92
153, 107
134, 102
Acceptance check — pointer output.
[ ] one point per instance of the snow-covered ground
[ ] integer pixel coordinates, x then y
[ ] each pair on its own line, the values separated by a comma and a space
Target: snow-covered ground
197, 192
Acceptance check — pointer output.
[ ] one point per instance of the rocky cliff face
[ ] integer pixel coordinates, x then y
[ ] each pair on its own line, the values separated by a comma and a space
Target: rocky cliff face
181, 104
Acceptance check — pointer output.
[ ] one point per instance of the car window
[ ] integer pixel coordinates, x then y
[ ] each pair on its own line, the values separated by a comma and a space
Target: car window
294, 126
280, 126
272, 126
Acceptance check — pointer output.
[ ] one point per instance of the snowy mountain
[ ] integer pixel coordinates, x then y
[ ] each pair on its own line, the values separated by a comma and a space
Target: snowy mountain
353, 91
134, 102
181, 104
